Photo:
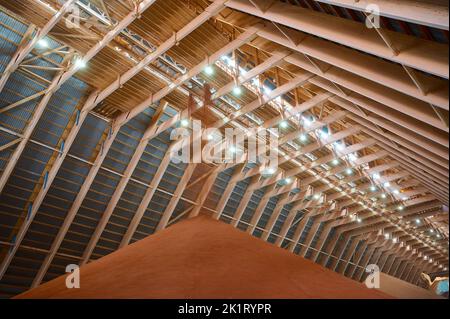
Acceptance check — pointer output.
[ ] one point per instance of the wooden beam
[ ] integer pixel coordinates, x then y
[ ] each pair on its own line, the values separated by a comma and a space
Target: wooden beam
60, 79
244, 201
10, 144
236, 43
148, 196
175, 39
26, 49
252, 106
225, 196
203, 195
22, 101
148, 135
70, 214
170, 208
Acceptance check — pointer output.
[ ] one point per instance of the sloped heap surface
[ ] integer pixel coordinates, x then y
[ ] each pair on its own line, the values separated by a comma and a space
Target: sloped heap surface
204, 258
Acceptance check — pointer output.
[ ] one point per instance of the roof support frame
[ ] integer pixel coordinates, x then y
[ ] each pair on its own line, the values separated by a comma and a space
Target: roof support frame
26, 47
347, 33
60, 79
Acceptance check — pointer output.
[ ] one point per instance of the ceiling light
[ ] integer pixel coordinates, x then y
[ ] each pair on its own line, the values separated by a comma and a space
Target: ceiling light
396, 192
376, 176
340, 146
386, 236
270, 171
80, 63
184, 122
42, 43
267, 91
324, 134
210, 137
359, 220
316, 196
303, 137
352, 157
209, 70
383, 196
373, 188
387, 184
237, 90
288, 180
228, 61
349, 171
284, 124
431, 230
307, 122
417, 221
401, 207
335, 162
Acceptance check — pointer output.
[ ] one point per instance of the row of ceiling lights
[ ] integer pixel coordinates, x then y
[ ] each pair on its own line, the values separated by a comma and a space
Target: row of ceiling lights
237, 91
209, 70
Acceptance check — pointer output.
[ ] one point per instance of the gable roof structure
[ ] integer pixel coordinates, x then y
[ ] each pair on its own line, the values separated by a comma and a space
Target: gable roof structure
90, 92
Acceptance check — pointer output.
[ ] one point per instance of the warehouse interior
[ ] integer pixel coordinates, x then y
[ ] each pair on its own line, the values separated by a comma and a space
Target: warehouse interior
356, 93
